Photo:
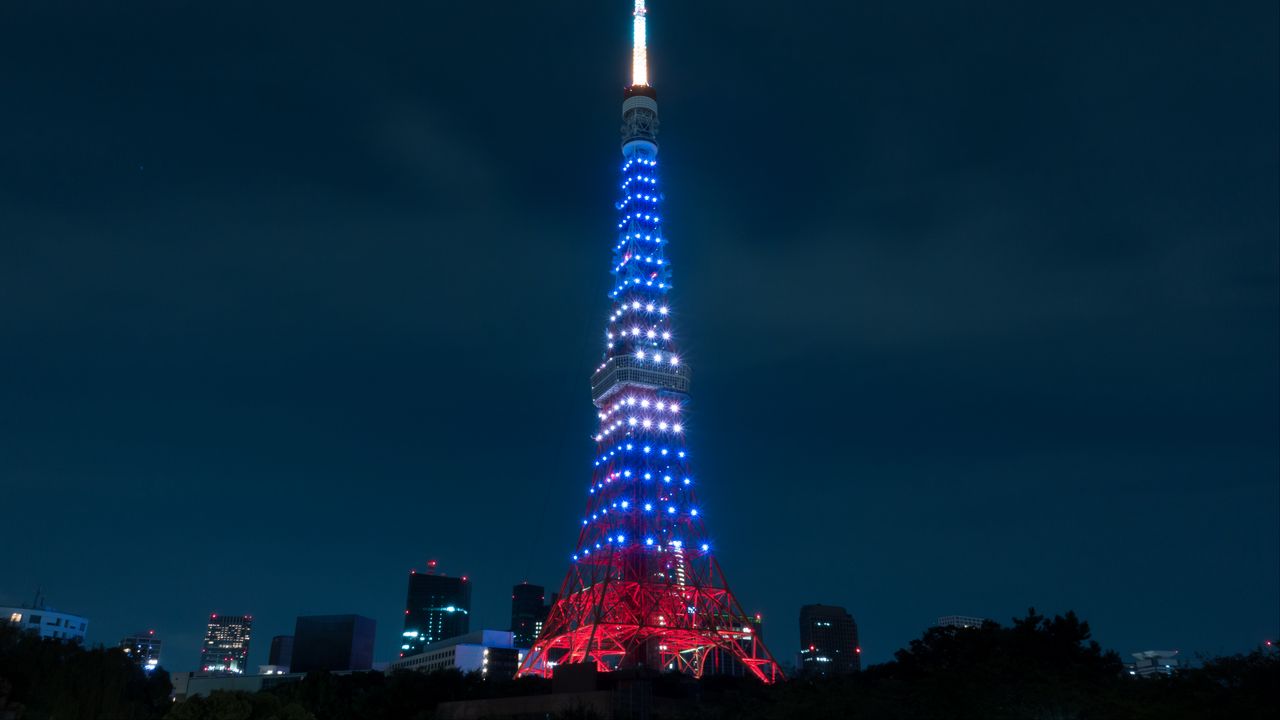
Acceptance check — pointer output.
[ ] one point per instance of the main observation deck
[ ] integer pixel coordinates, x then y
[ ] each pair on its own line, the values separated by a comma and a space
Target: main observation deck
624, 370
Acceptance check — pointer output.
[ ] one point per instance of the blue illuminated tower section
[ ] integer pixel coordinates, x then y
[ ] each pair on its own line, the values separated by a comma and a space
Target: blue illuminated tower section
644, 588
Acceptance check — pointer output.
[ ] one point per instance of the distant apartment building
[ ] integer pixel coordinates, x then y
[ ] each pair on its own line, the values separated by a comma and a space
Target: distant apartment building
46, 622
437, 606
226, 644
332, 643
143, 648
828, 641
960, 621
1150, 663
492, 653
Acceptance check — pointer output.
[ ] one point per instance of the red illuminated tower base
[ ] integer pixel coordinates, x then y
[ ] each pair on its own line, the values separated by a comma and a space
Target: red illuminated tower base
644, 589
616, 621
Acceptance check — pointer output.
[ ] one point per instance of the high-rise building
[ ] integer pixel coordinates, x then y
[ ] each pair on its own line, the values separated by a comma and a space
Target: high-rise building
546, 612
437, 607
226, 644
828, 641
46, 622
143, 648
528, 612
644, 588
281, 653
960, 621
332, 643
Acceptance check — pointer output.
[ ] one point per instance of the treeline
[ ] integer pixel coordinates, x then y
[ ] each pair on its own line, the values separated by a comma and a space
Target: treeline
50, 680
400, 695
1036, 669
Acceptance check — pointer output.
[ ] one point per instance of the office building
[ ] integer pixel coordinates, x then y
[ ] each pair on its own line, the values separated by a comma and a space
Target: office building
437, 607
46, 622
528, 612
332, 643
143, 648
226, 644
281, 652
828, 641
492, 653
546, 612
960, 621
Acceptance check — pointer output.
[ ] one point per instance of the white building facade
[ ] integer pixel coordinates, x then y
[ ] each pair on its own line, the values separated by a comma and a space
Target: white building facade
960, 621
47, 623
492, 653
1149, 663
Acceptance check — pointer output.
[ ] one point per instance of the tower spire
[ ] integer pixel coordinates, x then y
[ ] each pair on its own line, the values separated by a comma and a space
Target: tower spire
639, 52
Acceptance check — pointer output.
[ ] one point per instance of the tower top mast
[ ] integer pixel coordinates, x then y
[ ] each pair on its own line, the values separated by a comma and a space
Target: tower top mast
640, 101
639, 52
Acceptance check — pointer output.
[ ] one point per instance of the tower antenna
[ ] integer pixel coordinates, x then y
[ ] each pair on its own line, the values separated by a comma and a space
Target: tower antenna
639, 52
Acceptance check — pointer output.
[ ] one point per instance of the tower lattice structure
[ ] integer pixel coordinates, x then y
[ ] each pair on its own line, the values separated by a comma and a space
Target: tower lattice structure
644, 588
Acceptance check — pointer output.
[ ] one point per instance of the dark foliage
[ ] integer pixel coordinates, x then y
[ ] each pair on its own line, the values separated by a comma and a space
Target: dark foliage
42, 679
401, 695
1036, 669
238, 706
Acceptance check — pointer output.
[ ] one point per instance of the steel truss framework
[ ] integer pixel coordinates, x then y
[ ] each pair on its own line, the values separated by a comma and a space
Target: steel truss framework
644, 589
666, 619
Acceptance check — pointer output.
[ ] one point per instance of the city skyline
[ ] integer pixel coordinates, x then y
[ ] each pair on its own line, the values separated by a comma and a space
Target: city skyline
1002, 324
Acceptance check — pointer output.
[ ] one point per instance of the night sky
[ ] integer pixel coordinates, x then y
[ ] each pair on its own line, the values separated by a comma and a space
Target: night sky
981, 302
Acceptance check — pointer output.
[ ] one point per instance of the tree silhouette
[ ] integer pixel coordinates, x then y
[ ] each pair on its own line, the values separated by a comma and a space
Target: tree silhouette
50, 679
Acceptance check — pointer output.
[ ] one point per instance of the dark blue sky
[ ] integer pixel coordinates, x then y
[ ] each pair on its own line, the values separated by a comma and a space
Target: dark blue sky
981, 303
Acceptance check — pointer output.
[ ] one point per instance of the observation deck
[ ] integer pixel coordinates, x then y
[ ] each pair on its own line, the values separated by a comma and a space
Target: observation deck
626, 370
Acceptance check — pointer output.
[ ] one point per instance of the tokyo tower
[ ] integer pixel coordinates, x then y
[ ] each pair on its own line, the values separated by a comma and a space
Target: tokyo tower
644, 588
